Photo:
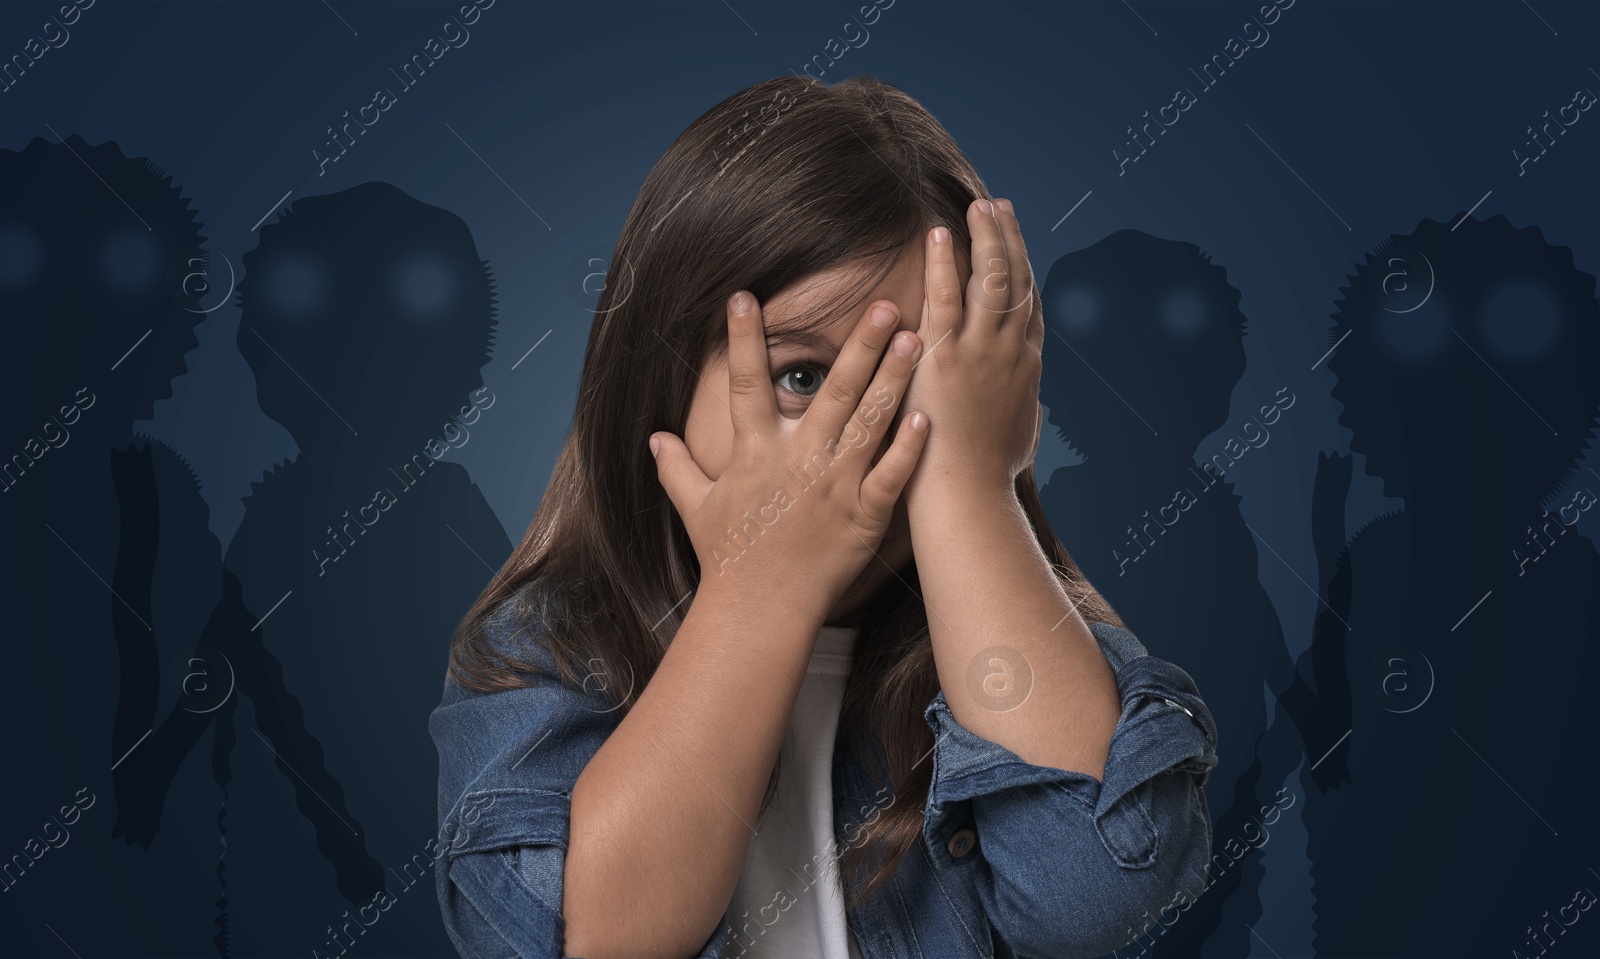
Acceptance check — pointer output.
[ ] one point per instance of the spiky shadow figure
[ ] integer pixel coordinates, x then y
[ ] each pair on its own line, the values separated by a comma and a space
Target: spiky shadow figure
101, 272
367, 316
1468, 366
1144, 350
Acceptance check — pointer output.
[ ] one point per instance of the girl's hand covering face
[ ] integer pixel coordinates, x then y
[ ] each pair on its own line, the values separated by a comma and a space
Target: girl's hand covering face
979, 377
800, 511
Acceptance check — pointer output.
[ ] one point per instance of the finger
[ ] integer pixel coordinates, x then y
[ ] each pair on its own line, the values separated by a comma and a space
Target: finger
847, 378
1035, 329
881, 488
941, 284
871, 419
1023, 290
750, 398
989, 288
686, 484
1024, 284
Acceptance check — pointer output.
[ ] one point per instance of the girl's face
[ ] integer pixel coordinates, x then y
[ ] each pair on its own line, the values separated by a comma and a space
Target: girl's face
798, 370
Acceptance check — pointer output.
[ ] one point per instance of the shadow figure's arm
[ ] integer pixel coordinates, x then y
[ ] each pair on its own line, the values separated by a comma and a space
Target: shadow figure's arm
145, 777
163, 531
299, 755
142, 771
1321, 709
1327, 711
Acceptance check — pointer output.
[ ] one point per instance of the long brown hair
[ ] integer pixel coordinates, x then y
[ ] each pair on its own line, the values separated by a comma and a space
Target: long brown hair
780, 181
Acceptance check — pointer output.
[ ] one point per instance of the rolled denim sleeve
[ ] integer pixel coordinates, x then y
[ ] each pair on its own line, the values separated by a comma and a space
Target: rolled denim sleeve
1068, 865
507, 764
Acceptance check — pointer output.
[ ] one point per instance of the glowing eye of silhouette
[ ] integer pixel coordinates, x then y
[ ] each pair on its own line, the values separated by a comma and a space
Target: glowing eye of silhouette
290, 286
1079, 309
1183, 314
423, 286
1519, 320
129, 261
21, 256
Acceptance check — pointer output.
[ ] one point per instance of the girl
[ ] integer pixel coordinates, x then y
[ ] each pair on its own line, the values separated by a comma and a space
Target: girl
789, 662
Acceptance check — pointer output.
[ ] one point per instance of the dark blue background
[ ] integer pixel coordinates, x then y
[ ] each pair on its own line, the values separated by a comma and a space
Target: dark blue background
538, 133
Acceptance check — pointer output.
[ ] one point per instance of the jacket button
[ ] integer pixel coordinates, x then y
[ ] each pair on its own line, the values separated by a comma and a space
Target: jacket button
961, 842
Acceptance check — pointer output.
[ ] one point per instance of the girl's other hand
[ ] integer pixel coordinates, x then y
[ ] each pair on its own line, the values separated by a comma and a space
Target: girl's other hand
799, 512
980, 377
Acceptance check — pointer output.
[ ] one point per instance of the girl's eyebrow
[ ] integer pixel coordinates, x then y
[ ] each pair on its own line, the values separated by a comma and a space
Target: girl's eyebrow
803, 338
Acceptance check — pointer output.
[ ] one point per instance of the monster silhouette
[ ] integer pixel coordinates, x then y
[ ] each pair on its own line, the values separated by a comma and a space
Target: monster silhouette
1468, 365
99, 254
367, 316
1143, 353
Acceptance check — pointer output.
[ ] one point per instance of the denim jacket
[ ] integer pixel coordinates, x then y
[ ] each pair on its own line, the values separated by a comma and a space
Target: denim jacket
1014, 860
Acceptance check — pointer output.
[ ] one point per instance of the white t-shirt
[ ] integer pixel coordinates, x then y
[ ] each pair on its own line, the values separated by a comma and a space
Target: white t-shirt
789, 903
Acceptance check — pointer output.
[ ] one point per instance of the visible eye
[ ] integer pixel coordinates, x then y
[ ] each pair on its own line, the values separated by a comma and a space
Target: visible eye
805, 378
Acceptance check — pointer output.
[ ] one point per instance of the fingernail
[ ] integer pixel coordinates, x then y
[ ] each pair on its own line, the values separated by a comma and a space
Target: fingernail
655, 445
1004, 205
919, 420
941, 235
740, 302
881, 317
984, 206
903, 344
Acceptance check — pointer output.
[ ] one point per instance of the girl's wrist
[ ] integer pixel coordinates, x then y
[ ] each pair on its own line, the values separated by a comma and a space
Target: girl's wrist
945, 486
762, 598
